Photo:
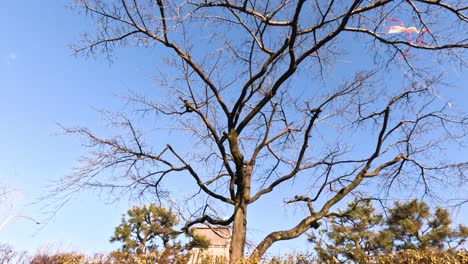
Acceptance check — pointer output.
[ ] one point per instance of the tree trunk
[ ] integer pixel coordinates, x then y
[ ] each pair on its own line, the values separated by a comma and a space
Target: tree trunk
236, 250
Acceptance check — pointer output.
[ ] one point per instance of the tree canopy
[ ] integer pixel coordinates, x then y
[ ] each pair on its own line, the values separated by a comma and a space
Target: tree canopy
359, 233
265, 96
145, 227
150, 231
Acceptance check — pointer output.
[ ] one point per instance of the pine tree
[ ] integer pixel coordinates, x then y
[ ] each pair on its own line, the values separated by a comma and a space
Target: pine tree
360, 232
144, 227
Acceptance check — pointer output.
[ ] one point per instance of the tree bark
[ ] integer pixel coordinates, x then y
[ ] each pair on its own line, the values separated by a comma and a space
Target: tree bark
236, 250
242, 181
295, 232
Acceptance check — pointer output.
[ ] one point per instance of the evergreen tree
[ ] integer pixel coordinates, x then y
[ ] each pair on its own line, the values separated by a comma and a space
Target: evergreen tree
145, 227
360, 232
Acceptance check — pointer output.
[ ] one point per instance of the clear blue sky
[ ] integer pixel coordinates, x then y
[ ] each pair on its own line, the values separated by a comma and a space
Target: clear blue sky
42, 84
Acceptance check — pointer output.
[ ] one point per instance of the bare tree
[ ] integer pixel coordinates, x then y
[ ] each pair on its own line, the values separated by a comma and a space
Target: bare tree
250, 86
10, 256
